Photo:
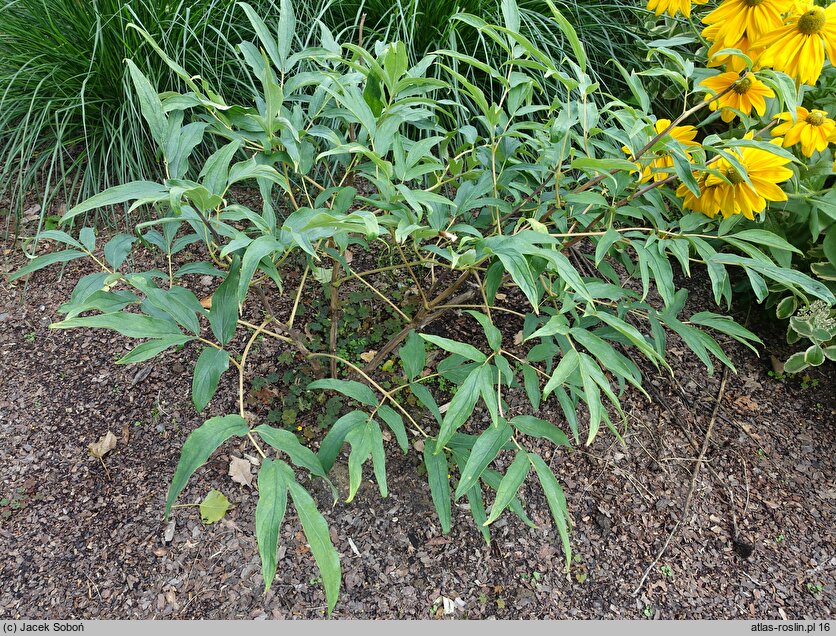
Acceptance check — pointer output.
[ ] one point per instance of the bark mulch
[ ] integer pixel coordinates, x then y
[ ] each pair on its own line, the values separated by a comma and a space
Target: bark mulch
83, 540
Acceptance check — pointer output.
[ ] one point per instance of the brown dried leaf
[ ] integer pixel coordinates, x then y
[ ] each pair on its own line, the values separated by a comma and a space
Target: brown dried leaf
239, 470
368, 356
206, 303
106, 443
745, 402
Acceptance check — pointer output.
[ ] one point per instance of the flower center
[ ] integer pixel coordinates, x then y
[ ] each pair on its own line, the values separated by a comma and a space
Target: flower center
812, 22
816, 117
742, 86
753, 3
733, 176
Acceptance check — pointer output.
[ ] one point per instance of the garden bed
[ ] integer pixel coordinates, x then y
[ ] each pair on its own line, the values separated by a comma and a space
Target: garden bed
83, 539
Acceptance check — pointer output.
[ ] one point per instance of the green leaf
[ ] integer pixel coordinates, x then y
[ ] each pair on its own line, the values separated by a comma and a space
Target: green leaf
484, 451
394, 421
179, 303
426, 398
493, 335
413, 355
565, 368
786, 308
87, 236
361, 448
814, 356
223, 316
208, 370
517, 266
569, 31
269, 514
333, 442
213, 507
61, 237
135, 190
610, 238
557, 502
532, 385
435, 461
378, 458
46, 260
286, 31
509, 486
199, 445
258, 249
148, 350
149, 104
354, 390
215, 171
763, 237
463, 349
319, 539
286, 442
795, 363
555, 325
127, 324
493, 479
117, 249
461, 406
477, 510
536, 427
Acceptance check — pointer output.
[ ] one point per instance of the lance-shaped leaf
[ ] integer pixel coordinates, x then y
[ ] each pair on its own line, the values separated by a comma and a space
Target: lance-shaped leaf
461, 348
116, 250
556, 500
413, 355
223, 316
437, 471
361, 448
352, 389
394, 421
258, 249
507, 489
316, 531
208, 370
492, 334
286, 442
484, 451
461, 407
334, 439
536, 427
44, 261
269, 514
148, 350
199, 445
567, 365
378, 458
135, 190
127, 324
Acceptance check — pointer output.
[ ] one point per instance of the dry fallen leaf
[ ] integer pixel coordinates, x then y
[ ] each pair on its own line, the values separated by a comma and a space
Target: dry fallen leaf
744, 401
206, 303
239, 470
106, 443
368, 356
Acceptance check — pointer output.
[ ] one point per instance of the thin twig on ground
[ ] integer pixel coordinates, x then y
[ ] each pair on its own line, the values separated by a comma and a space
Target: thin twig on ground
694, 477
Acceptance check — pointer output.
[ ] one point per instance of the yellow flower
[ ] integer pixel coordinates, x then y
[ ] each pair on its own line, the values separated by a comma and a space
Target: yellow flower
733, 195
731, 62
752, 19
746, 94
704, 203
655, 170
798, 48
812, 128
672, 7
